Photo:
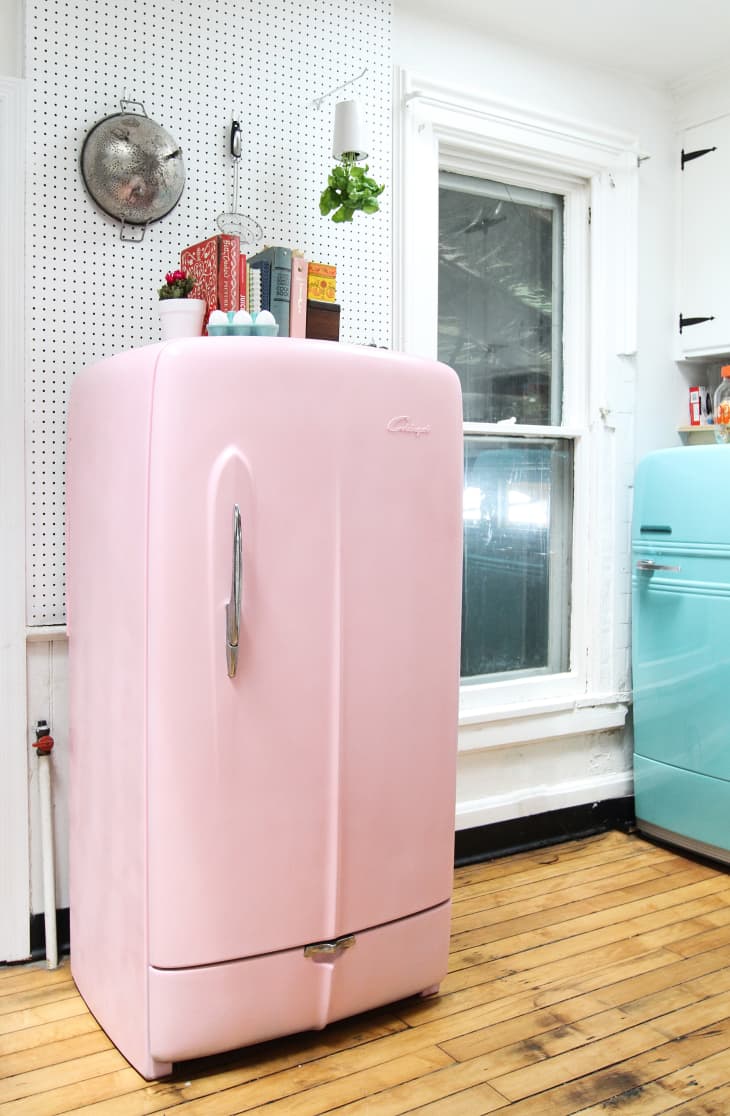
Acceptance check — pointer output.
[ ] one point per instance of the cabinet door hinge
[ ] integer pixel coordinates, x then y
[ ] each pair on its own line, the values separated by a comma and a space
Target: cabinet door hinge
684, 322
590, 215
688, 156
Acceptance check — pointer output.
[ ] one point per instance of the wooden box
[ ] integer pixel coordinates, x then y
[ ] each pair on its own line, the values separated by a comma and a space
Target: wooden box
323, 320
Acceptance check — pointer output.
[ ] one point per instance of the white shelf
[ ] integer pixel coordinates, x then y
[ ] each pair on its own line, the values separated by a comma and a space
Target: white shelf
696, 435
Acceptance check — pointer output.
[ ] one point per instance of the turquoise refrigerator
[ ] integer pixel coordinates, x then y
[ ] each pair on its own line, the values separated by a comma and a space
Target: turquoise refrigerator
681, 647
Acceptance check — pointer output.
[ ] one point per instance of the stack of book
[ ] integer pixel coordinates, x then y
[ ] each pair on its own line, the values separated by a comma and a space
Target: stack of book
279, 279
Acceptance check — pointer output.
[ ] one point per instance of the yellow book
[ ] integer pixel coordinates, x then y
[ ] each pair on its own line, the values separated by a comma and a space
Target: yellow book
322, 282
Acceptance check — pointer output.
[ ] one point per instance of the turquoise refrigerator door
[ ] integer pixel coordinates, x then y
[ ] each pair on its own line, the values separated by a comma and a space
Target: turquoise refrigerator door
681, 656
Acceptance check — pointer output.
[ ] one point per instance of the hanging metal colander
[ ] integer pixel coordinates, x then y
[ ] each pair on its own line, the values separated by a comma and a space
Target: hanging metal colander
132, 168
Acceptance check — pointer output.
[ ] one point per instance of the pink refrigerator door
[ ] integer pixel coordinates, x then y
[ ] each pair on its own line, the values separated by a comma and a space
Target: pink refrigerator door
310, 794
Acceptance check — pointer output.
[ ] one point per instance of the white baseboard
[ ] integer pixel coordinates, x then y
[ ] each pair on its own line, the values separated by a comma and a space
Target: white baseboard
523, 803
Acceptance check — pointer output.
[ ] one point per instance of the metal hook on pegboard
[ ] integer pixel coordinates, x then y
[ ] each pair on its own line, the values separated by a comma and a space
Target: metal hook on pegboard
319, 101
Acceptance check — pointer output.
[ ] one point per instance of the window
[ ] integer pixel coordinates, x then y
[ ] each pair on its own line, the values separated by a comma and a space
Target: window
500, 311
532, 298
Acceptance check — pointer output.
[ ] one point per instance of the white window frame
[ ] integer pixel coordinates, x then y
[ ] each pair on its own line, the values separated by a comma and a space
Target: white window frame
14, 835
596, 170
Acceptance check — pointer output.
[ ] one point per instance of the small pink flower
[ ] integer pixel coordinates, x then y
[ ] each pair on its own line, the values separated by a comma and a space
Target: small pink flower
170, 277
176, 275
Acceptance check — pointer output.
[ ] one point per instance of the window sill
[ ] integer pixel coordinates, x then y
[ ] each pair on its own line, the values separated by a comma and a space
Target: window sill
502, 726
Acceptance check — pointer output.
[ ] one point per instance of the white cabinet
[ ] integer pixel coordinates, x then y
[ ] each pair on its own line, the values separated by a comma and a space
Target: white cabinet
704, 283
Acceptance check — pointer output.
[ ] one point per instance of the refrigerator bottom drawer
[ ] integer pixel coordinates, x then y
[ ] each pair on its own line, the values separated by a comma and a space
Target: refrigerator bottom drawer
683, 807
194, 1012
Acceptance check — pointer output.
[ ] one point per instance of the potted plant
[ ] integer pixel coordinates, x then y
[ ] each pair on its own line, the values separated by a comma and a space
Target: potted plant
180, 315
349, 189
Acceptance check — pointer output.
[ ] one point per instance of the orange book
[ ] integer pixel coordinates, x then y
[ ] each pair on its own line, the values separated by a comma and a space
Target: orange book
322, 282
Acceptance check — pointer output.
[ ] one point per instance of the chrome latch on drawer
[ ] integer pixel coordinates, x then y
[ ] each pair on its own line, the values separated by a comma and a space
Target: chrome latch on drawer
647, 565
329, 951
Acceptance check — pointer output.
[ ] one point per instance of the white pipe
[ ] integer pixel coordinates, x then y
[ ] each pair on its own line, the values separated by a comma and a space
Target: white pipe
49, 883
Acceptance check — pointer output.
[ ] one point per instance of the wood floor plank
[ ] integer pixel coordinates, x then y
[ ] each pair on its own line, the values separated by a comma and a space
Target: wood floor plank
339, 1051
559, 922
539, 880
20, 978
588, 977
551, 863
47, 1033
476, 1101
76, 1096
591, 931
32, 1017
435, 1089
51, 1053
555, 861
314, 1101
586, 1008
545, 985
670, 1092
557, 1066
640, 883
625, 1078
36, 997
716, 1103
36, 1081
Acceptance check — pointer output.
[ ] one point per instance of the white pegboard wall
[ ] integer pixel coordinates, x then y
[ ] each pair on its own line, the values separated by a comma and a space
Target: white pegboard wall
195, 65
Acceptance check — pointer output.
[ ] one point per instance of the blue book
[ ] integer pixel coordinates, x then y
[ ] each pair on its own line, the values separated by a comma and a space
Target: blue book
264, 267
275, 266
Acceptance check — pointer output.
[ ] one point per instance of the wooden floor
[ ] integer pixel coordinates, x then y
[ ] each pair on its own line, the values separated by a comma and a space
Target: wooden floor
591, 977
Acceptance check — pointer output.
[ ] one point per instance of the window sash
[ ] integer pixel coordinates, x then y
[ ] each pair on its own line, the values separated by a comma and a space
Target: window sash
494, 556
554, 201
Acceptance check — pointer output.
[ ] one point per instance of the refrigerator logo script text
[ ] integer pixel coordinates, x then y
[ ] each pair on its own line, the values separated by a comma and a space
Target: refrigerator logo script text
402, 424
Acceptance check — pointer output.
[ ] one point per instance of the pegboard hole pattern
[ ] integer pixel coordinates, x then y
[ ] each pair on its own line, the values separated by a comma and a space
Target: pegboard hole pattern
195, 65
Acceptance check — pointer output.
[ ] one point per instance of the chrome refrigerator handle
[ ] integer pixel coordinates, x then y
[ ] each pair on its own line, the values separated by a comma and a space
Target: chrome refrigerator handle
648, 566
233, 608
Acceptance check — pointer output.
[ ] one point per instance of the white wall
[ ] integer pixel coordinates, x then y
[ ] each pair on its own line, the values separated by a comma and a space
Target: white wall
511, 779
507, 71
698, 101
11, 39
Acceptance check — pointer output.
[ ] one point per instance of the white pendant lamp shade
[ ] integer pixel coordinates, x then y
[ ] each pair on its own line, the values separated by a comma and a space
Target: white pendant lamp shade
349, 139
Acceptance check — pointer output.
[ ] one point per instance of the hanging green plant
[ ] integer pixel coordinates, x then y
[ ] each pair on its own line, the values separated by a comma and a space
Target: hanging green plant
349, 189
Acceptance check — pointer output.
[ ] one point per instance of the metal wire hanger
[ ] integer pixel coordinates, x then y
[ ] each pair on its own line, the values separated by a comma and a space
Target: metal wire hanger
232, 222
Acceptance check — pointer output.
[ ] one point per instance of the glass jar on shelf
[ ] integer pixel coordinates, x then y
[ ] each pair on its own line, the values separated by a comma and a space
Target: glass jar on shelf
721, 406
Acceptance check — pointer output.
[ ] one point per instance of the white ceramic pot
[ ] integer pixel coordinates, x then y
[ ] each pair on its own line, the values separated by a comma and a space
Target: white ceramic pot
181, 317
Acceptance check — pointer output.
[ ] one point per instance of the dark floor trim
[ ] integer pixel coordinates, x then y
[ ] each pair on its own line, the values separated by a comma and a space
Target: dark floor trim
487, 842
38, 934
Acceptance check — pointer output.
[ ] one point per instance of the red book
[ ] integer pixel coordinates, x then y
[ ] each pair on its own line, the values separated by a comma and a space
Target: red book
229, 252
214, 263
298, 303
201, 260
242, 283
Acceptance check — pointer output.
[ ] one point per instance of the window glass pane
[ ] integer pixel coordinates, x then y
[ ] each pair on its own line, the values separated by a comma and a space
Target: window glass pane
500, 298
517, 545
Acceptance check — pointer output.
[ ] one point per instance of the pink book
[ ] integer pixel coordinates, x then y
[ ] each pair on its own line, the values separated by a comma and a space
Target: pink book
298, 303
242, 284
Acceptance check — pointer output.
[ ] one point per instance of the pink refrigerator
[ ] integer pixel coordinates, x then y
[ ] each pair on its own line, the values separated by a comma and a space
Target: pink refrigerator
264, 582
